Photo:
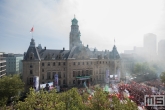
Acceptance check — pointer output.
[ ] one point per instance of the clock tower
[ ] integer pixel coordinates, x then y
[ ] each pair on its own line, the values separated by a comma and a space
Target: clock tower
75, 34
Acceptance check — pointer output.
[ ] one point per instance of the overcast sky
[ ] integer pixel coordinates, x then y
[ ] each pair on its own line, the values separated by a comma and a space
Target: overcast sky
100, 22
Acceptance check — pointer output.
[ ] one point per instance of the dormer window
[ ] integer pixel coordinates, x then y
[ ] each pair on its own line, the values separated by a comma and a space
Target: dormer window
31, 56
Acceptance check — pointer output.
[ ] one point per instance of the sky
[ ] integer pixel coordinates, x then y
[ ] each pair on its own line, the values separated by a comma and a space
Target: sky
100, 22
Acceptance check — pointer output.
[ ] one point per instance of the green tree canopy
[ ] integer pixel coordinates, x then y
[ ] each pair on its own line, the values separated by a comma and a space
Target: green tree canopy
10, 86
162, 77
72, 100
144, 71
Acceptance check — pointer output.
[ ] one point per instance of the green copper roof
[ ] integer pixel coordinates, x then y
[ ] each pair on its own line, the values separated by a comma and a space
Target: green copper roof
74, 21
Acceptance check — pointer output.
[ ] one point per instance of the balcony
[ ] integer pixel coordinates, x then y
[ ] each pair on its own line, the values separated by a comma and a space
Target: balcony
2, 75
2, 70
2, 58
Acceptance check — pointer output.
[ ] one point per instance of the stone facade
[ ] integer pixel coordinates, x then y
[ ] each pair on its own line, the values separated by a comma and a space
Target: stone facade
73, 66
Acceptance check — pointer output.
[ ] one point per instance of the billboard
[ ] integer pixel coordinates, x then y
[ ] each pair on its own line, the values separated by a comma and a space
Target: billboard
56, 80
36, 82
42, 86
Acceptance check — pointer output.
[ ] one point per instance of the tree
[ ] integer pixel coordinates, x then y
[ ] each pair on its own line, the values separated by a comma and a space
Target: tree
144, 71
41, 100
72, 100
10, 87
100, 100
162, 77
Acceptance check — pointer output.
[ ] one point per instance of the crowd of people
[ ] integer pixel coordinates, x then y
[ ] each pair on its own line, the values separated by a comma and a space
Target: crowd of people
137, 92
155, 83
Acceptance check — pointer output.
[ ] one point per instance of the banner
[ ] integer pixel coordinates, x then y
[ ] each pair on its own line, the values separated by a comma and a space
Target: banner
36, 82
107, 76
56, 80
118, 73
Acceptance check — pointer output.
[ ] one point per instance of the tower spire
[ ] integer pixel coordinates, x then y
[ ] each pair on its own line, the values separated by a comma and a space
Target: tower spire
74, 16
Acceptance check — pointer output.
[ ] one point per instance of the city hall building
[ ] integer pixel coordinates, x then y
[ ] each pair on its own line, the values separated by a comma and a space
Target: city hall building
73, 66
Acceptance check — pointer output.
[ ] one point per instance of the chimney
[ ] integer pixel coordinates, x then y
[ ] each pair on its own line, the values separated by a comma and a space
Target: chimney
63, 48
87, 46
45, 48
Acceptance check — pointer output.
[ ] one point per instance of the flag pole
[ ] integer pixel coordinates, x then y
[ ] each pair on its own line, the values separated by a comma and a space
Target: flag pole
32, 31
114, 41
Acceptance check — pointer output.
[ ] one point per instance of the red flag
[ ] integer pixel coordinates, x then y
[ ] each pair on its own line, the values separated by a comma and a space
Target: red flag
32, 29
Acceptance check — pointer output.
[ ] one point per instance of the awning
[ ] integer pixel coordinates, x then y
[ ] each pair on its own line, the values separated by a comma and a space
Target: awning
83, 77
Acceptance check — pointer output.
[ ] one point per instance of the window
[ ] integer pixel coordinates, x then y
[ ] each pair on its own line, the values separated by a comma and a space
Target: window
64, 75
59, 82
87, 73
73, 73
63, 63
48, 63
83, 73
100, 62
42, 76
73, 81
31, 71
64, 81
42, 64
90, 72
74, 63
78, 63
58, 63
99, 71
42, 70
83, 63
59, 74
54, 63
78, 73
30, 80
87, 63
48, 75
91, 63
53, 75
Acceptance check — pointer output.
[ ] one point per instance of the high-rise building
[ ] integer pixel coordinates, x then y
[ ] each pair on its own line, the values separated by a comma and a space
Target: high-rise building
150, 45
69, 67
161, 49
13, 63
2, 65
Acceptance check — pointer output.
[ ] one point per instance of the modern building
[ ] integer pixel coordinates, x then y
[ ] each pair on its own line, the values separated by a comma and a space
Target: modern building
73, 66
161, 49
13, 63
149, 43
2, 65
